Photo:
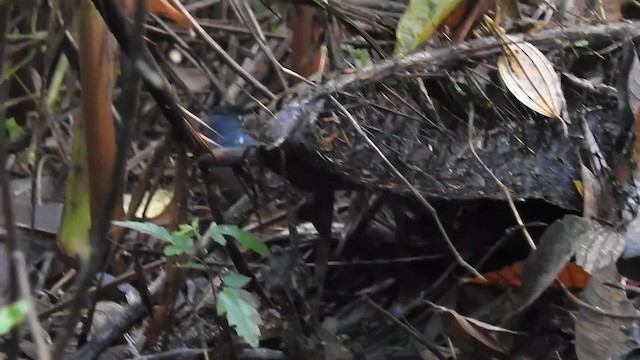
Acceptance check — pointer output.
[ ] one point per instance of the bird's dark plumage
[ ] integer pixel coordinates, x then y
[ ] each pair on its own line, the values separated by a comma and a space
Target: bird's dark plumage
226, 122
227, 130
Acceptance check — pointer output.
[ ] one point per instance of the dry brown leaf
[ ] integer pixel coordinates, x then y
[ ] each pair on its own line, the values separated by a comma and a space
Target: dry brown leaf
633, 83
470, 335
632, 238
590, 192
481, 324
633, 98
529, 76
599, 336
601, 247
541, 268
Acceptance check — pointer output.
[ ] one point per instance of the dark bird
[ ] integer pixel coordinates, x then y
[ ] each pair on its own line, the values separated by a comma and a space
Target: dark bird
298, 167
226, 123
227, 129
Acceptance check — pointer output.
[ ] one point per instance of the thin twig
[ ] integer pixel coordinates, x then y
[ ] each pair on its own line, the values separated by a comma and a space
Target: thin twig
412, 188
113, 283
32, 316
428, 344
222, 53
254, 29
505, 190
596, 309
156, 83
507, 234
400, 260
5, 192
634, 289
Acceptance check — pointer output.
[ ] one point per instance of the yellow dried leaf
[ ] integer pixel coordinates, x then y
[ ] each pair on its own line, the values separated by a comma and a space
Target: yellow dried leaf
159, 202
531, 78
579, 187
419, 22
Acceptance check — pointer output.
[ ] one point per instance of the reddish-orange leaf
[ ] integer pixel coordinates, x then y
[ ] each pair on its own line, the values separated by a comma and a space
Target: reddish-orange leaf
461, 20
457, 16
160, 7
572, 276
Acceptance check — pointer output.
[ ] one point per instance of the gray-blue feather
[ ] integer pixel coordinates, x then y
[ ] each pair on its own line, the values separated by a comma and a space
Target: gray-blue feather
226, 122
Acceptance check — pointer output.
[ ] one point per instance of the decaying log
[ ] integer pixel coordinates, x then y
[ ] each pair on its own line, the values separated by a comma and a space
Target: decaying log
423, 130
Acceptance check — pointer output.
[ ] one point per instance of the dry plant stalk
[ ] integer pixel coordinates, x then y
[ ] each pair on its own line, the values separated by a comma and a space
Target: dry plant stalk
502, 187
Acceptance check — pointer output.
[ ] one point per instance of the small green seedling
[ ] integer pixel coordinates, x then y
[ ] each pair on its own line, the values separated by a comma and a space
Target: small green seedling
237, 304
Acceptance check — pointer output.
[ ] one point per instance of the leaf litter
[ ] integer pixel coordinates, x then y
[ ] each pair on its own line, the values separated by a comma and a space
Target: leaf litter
245, 284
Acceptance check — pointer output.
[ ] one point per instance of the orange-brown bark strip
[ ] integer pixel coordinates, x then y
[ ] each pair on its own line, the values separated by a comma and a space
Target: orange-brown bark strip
304, 59
96, 77
160, 7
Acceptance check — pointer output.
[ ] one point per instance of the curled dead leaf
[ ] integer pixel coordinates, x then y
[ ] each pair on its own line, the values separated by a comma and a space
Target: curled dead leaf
531, 78
601, 247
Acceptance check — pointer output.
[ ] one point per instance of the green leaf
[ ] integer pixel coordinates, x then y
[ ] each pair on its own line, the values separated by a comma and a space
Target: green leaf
243, 237
361, 55
581, 43
194, 266
217, 236
239, 307
258, 6
184, 229
12, 127
419, 22
182, 241
171, 250
236, 280
146, 228
12, 315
